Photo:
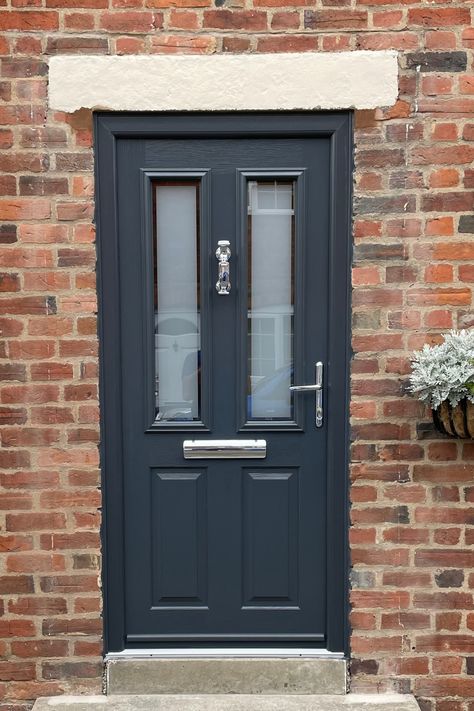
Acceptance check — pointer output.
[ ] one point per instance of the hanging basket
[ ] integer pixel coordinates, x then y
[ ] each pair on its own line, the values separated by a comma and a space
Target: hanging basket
457, 421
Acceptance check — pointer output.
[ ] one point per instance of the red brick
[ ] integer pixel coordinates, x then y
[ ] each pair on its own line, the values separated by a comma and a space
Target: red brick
440, 39
439, 297
447, 536
437, 155
445, 132
69, 584
362, 620
439, 273
34, 563
447, 665
380, 557
17, 671
79, 21
406, 580
438, 319
17, 628
407, 227
30, 21
434, 85
439, 17
287, 43
40, 648
90, 4
35, 521
285, 20
411, 536
177, 3
129, 45
235, 20
335, 19
9, 544
12, 416
445, 687
127, 21
405, 620
442, 451
78, 625
29, 394
87, 649
373, 644
50, 326
235, 44
444, 643
375, 41
386, 514
73, 670
38, 606
444, 178
29, 480
24, 209
61, 541
442, 226
51, 371
29, 437
455, 558
407, 665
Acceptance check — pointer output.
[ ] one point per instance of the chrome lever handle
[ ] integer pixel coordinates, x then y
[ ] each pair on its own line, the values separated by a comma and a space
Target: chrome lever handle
223, 254
317, 388
305, 388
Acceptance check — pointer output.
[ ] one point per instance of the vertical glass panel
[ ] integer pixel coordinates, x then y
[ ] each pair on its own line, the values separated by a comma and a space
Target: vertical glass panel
177, 317
271, 230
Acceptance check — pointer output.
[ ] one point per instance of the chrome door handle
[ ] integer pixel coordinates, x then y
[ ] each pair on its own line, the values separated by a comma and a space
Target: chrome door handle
305, 388
223, 254
317, 388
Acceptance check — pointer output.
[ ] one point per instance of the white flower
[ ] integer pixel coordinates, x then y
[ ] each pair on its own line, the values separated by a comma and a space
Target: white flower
445, 372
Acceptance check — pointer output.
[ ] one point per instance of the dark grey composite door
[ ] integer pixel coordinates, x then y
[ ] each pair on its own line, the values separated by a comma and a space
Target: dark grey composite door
224, 551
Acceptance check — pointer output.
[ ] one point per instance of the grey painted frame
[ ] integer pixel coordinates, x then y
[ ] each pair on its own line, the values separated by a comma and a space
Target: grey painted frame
336, 125
299, 178
148, 177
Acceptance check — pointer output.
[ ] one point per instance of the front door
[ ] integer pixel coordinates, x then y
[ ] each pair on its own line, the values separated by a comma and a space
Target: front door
223, 243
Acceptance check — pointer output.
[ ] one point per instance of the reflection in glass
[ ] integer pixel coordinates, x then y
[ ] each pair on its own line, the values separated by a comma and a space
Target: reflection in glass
271, 228
177, 322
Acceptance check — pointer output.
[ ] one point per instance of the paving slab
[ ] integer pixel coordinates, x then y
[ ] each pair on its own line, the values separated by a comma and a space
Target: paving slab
227, 676
231, 702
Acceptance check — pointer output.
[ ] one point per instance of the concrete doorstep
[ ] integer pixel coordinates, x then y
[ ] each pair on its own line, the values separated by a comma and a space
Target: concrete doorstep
230, 702
227, 675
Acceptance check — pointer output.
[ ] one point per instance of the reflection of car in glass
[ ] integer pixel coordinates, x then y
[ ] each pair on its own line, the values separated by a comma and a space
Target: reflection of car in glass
177, 366
271, 396
175, 414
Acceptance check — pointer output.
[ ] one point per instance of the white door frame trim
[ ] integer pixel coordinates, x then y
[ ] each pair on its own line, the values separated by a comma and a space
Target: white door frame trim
221, 82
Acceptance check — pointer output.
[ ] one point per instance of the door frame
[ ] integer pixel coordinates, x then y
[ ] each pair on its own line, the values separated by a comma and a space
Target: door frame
338, 127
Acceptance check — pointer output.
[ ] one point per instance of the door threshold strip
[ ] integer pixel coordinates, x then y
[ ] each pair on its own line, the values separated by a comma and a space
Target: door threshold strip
247, 652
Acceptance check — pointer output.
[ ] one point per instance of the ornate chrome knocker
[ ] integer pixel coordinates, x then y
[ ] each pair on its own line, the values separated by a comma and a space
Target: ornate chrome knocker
223, 274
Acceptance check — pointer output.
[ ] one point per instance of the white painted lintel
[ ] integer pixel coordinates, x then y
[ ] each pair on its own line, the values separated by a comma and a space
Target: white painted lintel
250, 82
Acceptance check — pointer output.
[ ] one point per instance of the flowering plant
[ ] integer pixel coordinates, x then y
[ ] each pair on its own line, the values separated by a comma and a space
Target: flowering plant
445, 371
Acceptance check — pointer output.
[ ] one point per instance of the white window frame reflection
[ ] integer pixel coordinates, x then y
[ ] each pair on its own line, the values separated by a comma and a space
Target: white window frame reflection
271, 198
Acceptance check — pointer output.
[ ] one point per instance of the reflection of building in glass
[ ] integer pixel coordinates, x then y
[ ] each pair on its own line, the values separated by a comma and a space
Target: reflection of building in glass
177, 319
270, 316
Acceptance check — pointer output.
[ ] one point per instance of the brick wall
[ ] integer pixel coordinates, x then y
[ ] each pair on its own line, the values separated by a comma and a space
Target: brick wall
412, 493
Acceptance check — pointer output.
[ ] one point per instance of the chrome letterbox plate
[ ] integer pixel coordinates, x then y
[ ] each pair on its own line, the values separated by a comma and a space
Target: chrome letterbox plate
225, 448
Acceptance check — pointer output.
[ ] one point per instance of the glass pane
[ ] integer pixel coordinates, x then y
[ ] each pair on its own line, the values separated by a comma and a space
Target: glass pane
271, 229
177, 318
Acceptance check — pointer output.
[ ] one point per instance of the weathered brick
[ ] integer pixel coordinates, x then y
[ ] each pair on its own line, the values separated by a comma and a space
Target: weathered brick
437, 61
76, 45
